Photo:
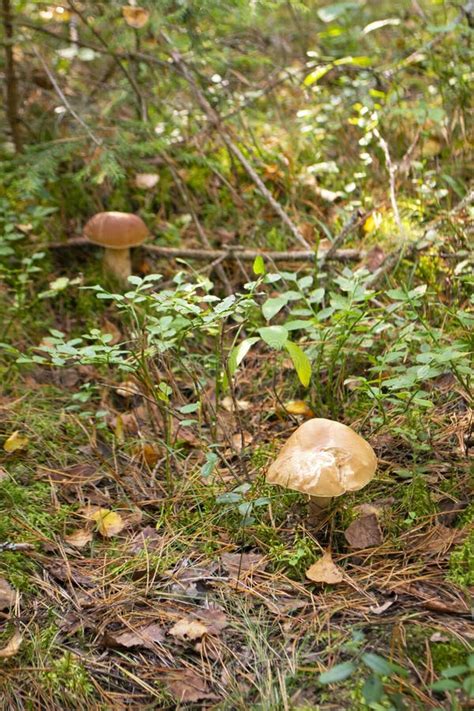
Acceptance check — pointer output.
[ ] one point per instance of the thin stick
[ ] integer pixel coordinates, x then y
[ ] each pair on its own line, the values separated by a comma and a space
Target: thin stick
208, 255
123, 68
65, 101
11, 83
216, 121
202, 235
354, 219
392, 169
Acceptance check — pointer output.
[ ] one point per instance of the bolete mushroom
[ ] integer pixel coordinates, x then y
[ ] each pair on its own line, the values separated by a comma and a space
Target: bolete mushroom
116, 232
323, 459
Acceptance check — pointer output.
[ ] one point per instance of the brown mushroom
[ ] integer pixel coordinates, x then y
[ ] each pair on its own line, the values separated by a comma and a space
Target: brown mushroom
323, 459
116, 232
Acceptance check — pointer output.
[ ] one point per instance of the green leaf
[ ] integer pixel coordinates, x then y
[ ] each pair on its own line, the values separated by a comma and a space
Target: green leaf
337, 673
372, 691
301, 362
230, 498
191, 407
454, 671
274, 336
468, 686
258, 265
378, 664
445, 685
272, 306
238, 353
332, 12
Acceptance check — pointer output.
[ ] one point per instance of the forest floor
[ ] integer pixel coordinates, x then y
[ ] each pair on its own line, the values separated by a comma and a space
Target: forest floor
136, 582
145, 562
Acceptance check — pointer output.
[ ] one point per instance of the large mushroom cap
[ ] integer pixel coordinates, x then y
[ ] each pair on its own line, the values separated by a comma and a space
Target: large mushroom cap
116, 230
324, 458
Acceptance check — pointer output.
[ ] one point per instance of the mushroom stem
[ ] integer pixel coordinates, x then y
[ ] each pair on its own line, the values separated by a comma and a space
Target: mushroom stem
118, 263
318, 506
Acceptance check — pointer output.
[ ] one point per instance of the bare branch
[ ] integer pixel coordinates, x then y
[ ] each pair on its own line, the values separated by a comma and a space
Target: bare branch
65, 101
216, 120
11, 84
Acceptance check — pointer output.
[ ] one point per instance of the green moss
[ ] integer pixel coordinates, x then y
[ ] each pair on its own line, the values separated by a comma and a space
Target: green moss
416, 499
447, 654
461, 563
26, 509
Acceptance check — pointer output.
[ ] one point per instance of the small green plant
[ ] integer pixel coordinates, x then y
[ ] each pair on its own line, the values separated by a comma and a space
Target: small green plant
459, 678
375, 689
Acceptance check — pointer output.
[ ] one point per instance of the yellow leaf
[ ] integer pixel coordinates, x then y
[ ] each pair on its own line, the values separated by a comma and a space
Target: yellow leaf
431, 147
15, 442
298, 407
118, 432
187, 629
12, 646
373, 221
150, 454
135, 17
109, 523
325, 571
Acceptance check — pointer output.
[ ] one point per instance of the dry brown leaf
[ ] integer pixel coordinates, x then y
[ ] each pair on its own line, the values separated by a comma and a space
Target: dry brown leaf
239, 563
236, 439
187, 686
214, 618
374, 258
12, 646
188, 629
150, 454
380, 609
285, 605
135, 17
364, 532
75, 475
325, 571
3, 474
15, 442
439, 539
113, 330
127, 389
146, 181
79, 538
7, 595
298, 407
148, 538
146, 636
109, 523
231, 405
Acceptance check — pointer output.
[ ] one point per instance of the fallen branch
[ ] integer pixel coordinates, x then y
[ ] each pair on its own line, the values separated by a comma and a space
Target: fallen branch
222, 130
246, 255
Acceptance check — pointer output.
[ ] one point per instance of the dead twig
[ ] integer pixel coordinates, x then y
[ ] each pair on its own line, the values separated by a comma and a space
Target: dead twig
65, 101
246, 255
222, 130
354, 220
11, 83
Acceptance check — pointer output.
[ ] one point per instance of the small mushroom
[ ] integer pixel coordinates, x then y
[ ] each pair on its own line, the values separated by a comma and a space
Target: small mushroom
323, 459
117, 232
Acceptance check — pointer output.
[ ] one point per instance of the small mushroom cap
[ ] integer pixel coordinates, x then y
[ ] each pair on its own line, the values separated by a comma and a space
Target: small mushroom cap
116, 230
324, 458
